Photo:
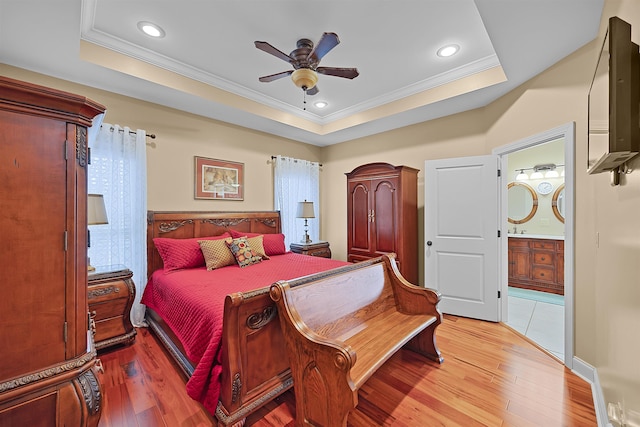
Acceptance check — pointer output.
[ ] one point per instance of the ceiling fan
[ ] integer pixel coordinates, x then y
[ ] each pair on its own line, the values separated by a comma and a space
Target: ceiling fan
305, 59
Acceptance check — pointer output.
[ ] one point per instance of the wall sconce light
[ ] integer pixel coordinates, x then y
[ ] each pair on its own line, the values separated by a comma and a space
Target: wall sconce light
305, 210
549, 170
96, 215
536, 174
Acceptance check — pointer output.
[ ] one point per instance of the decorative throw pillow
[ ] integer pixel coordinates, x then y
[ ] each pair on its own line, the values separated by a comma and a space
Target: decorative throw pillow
177, 254
243, 252
216, 253
273, 243
257, 245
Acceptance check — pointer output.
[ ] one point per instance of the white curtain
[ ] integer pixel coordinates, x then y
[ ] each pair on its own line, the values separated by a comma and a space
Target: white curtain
295, 181
118, 171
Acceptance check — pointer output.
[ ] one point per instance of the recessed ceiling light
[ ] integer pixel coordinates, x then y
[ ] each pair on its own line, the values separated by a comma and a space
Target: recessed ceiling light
150, 29
448, 50
321, 104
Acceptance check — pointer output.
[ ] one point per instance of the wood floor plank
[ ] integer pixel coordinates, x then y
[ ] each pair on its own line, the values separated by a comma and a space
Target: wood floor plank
117, 410
151, 418
491, 377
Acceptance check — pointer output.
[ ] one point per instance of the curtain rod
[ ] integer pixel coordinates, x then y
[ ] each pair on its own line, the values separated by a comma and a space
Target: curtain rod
275, 157
131, 132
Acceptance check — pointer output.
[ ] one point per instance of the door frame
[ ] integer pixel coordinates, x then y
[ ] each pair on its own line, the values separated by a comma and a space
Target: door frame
566, 131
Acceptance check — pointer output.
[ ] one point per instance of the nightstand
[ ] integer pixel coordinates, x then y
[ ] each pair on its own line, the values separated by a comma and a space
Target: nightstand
111, 294
319, 248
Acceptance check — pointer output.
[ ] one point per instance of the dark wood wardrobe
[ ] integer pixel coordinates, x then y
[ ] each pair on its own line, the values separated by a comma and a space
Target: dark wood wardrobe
47, 356
382, 215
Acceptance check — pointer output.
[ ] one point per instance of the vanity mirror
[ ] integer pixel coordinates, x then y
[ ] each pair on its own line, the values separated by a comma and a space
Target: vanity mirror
557, 203
522, 201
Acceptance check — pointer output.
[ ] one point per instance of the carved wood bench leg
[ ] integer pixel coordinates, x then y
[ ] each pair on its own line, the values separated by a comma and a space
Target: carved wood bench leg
323, 395
425, 343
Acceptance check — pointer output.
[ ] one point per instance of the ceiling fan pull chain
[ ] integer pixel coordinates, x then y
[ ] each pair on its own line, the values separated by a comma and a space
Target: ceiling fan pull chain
304, 99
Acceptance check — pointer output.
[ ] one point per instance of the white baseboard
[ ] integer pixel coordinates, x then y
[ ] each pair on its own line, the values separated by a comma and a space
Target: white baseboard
590, 374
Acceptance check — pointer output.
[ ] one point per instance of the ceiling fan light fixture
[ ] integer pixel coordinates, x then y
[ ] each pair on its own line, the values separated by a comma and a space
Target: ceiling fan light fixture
449, 50
151, 29
304, 78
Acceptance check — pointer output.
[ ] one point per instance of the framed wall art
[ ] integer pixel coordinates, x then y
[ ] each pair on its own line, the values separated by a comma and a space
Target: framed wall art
218, 179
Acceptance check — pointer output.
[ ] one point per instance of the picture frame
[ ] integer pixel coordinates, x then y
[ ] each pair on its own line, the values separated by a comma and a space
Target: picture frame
217, 179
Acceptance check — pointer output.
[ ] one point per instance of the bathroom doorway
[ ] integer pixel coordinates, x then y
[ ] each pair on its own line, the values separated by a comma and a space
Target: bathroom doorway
539, 262
536, 244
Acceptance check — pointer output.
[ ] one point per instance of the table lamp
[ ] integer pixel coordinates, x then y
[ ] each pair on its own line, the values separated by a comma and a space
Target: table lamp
305, 210
96, 215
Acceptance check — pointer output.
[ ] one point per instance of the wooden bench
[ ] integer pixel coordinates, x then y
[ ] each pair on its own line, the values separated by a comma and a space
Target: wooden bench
340, 326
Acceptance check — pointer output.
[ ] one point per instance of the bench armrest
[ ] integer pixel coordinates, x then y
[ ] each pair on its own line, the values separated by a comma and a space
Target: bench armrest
412, 299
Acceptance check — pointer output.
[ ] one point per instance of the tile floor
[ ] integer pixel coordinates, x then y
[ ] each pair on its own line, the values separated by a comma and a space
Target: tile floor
540, 321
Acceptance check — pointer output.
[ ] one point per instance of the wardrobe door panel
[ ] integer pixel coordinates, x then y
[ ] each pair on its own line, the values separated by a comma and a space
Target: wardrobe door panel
33, 258
360, 217
384, 218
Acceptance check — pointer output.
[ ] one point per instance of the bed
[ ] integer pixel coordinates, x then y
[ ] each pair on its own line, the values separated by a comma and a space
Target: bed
221, 326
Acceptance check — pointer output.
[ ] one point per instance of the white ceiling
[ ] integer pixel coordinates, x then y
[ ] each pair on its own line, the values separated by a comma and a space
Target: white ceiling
207, 63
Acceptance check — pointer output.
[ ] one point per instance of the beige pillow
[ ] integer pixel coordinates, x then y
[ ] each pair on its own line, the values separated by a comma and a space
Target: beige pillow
257, 244
216, 253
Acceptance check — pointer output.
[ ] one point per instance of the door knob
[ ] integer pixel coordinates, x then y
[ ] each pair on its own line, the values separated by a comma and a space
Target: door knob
429, 243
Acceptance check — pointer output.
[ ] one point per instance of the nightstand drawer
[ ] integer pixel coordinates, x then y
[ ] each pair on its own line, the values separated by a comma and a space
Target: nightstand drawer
324, 252
319, 249
108, 328
107, 309
107, 291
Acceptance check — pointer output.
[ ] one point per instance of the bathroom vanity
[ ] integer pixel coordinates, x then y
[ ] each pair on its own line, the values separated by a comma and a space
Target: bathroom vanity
537, 262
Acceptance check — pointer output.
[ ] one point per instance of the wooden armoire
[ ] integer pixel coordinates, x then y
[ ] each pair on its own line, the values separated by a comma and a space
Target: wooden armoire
47, 356
382, 215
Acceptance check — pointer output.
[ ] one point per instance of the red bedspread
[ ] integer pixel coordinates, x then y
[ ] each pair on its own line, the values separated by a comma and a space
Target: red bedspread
191, 302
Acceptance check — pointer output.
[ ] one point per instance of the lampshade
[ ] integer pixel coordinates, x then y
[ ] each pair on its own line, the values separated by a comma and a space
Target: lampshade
305, 210
304, 78
522, 176
96, 210
536, 175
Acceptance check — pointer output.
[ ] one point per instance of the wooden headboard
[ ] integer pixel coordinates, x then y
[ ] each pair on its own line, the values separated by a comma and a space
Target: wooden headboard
185, 225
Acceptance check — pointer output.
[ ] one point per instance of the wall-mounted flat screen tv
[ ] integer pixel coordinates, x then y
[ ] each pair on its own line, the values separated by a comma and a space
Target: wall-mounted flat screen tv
614, 101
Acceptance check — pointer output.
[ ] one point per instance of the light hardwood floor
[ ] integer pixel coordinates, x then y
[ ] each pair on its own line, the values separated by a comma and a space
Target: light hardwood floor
491, 377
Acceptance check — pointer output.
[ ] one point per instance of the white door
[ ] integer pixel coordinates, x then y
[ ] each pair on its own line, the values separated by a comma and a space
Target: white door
461, 235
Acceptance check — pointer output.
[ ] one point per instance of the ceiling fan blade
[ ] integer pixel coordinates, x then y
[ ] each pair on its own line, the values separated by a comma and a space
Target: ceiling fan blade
347, 73
327, 42
264, 46
276, 76
314, 90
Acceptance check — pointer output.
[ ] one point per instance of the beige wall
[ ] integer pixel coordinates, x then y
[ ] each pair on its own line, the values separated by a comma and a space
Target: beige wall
607, 276
616, 270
